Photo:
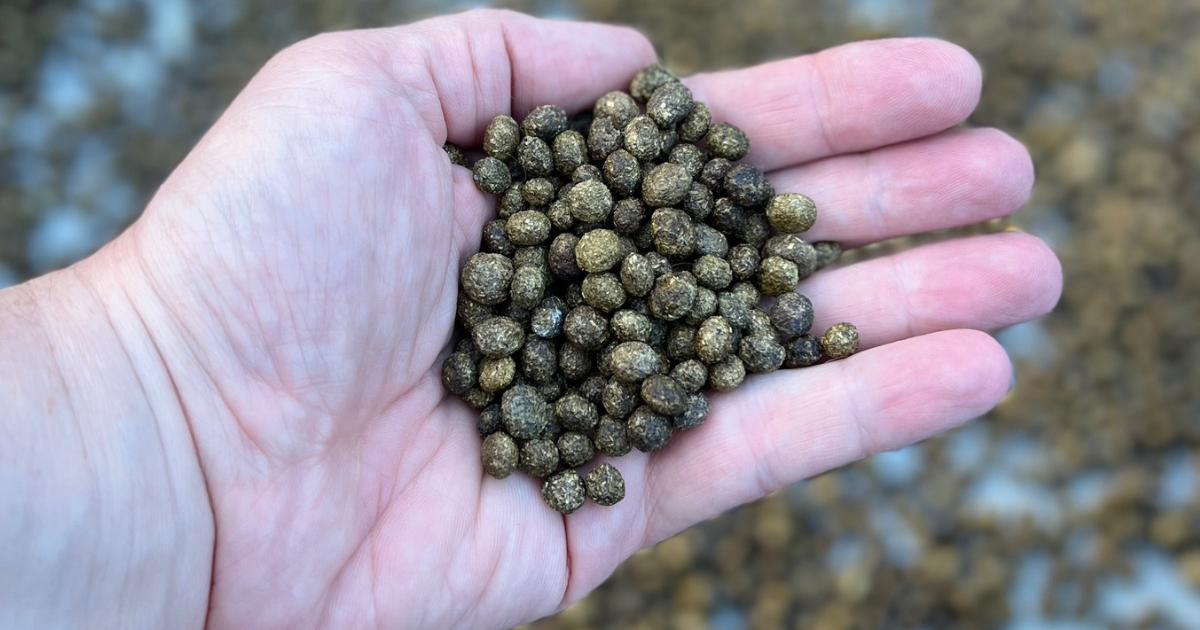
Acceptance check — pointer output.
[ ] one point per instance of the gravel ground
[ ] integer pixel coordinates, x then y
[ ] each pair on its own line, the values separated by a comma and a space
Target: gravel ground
1073, 505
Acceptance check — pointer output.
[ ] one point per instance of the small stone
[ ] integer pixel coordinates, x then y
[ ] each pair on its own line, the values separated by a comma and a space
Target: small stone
761, 354
604, 485
576, 413
803, 351
590, 201
672, 295
545, 122
499, 455
649, 79
642, 138
501, 137
459, 373
694, 413
691, 374
570, 153
633, 361
598, 250
669, 104
648, 431
498, 337
791, 315
714, 339
539, 458
585, 327
496, 374
618, 107
695, 125
610, 438
666, 185
491, 175
535, 156
777, 276
748, 186
575, 449
840, 341
663, 395
727, 374
524, 411
564, 492
791, 213
728, 142
539, 359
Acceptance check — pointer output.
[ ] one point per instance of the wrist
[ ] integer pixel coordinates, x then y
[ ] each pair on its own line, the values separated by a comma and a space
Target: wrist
106, 517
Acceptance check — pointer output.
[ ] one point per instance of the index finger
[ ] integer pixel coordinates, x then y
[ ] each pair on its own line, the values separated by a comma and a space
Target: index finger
846, 99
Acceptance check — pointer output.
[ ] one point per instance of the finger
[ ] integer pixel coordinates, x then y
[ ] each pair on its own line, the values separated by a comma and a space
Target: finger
783, 427
984, 282
484, 63
953, 179
850, 98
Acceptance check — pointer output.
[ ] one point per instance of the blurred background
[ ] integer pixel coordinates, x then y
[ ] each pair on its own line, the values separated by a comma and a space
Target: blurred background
1072, 506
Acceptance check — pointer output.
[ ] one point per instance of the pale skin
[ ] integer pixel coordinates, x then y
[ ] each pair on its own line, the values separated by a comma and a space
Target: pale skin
231, 416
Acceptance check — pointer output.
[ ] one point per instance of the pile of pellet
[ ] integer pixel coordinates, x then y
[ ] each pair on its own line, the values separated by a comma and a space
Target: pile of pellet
626, 273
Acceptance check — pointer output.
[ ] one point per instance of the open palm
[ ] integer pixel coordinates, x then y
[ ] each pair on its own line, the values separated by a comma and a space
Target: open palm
303, 263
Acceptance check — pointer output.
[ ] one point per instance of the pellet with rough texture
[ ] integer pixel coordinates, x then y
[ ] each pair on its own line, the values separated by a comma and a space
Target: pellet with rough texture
604, 485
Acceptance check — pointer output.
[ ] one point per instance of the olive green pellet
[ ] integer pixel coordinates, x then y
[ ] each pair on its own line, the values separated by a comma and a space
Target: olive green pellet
575, 449
547, 317
528, 228
598, 250
754, 229
760, 323
501, 137
603, 291
791, 212
669, 104
628, 325
642, 138
524, 411
681, 342
496, 374
585, 327
748, 292
712, 272
620, 398
590, 201
840, 341
459, 373
603, 138
489, 421
570, 153
695, 125
672, 295
761, 354
803, 351
728, 142
777, 276
564, 492
491, 175
539, 359
622, 173
574, 362
665, 185
793, 248
714, 339
649, 79
454, 154
486, 277
747, 185
498, 336
511, 202
610, 437
727, 216
592, 388
828, 253
733, 308
618, 107
470, 312
534, 155
691, 374
495, 239
499, 455
694, 414
703, 307
663, 395
586, 172
576, 413
478, 399
791, 315
545, 122
648, 431
713, 175
604, 485
727, 374
637, 275
539, 458
633, 361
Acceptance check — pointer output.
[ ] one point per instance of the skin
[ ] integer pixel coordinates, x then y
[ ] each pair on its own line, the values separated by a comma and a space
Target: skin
231, 416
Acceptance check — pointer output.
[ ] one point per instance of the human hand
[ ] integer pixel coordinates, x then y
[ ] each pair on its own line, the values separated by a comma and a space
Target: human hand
298, 276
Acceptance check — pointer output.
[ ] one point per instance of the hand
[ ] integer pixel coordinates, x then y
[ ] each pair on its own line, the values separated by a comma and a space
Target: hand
298, 273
